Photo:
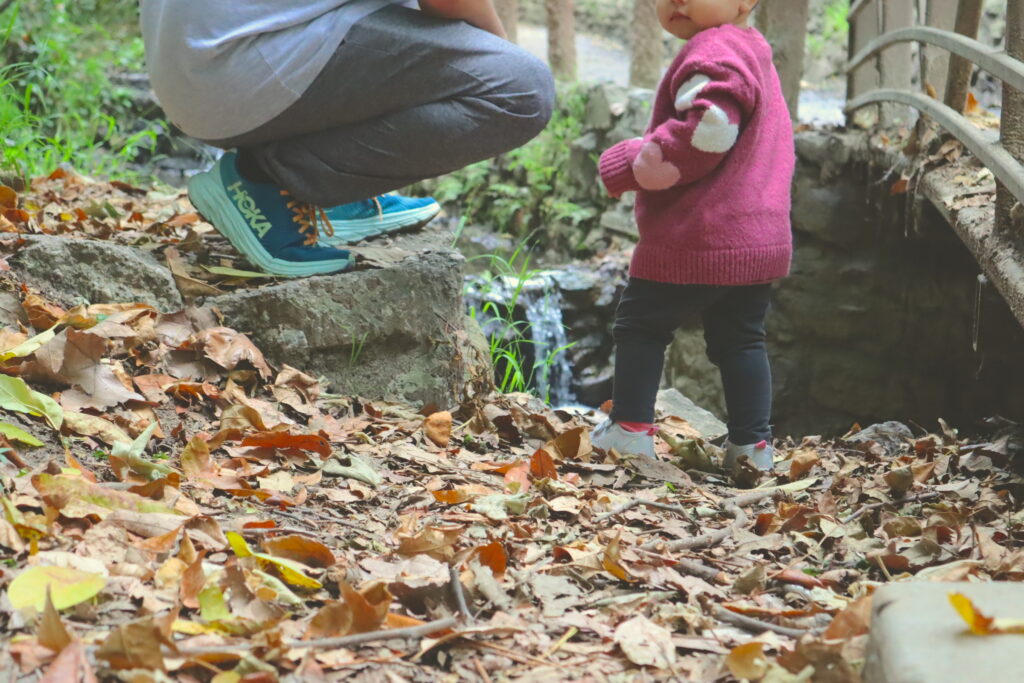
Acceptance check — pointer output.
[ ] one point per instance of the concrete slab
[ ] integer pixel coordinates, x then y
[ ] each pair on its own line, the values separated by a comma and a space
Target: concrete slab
917, 636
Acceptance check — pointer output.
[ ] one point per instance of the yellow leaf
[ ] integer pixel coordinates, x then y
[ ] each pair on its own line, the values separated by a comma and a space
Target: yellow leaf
67, 587
290, 571
27, 347
611, 562
747, 661
979, 623
238, 544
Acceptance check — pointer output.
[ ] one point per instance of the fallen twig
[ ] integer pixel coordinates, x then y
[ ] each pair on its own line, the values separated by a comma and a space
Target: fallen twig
756, 625
694, 568
335, 643
931, 495
691, 567
460, 595
671, 507
732, 507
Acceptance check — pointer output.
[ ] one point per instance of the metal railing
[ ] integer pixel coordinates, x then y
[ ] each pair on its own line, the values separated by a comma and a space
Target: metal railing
1002, 157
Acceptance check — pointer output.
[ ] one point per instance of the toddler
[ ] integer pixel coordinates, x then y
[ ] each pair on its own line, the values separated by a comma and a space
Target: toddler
712, 176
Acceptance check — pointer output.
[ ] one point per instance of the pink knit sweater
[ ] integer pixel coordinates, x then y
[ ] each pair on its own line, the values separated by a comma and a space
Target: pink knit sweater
713, 172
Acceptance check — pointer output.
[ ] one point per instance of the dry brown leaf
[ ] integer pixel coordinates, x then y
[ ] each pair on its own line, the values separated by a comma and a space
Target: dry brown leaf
542, 466
301, 549
52, 632
854, 620
494, 556
228, 349
70, 666
747, 661
612, 563
135, 645
42, 313
645, 643
803, 461
438, 428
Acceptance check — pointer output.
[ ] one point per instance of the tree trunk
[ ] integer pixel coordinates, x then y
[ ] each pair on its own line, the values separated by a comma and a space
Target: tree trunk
645, 60
958, 82
784, 24
508, 12
561, 38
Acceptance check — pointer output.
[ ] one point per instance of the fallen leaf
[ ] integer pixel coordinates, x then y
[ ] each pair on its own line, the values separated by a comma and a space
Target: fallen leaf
612, 563
979, 623
18, 434
747, 661
27, 347
803, 460
301, 549
17, 396
438, 428
285, 439
517, 478
66, 587
52, 632
135, 645
42, 314
228, 349
70, 666
93, 425
494, 556
852, 621
291, 571
542, 466
76, 497
436, 541
645, 643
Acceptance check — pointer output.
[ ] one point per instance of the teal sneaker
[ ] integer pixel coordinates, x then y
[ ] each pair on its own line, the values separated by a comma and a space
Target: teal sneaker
272, 229
383, 215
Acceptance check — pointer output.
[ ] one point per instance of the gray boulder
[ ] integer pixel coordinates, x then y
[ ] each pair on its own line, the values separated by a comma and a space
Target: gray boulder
93, 271
398, 332
671, 402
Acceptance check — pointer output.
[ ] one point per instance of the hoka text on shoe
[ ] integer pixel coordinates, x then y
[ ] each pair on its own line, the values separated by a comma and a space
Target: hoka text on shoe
247, 205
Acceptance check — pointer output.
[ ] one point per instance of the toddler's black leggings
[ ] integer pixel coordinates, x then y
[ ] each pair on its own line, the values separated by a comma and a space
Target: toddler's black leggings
647, 317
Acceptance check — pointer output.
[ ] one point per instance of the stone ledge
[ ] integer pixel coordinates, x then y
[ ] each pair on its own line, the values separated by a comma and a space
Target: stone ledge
395, 331
917, 636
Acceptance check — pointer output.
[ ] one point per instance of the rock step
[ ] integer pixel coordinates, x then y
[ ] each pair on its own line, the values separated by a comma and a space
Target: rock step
917, 636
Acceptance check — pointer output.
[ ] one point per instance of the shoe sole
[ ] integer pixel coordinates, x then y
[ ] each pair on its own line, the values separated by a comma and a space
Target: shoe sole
401, 221
206, 196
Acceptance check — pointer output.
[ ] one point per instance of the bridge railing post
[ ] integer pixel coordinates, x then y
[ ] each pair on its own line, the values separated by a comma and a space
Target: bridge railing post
939, 14
1008, 209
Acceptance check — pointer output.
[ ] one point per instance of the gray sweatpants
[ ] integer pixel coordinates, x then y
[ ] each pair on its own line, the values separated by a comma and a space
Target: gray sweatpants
406, 96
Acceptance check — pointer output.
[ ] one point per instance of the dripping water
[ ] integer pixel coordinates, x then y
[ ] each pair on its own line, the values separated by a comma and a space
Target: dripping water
536, 306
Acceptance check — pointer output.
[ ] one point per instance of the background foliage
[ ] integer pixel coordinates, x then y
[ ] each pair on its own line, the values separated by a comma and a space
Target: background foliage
59, 99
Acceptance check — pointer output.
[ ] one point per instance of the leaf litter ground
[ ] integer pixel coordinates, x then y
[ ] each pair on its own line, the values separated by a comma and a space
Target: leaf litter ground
174, 508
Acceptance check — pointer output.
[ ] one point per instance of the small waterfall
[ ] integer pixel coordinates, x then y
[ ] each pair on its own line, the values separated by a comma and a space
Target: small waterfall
534, 306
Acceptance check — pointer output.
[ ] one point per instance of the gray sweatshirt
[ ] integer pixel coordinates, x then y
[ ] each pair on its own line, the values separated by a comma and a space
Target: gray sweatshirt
221, 68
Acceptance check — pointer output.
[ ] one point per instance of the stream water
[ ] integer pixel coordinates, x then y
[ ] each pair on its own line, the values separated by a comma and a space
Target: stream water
511, 309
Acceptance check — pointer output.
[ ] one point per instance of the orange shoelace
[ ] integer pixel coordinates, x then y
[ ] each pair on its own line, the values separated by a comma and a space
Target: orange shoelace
311, 219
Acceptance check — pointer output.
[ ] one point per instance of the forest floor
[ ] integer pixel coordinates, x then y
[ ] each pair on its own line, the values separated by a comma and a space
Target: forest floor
174, 508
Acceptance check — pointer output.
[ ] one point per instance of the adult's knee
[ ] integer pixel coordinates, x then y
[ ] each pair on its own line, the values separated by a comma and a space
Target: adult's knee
528, 96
